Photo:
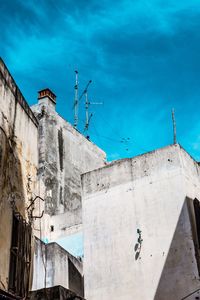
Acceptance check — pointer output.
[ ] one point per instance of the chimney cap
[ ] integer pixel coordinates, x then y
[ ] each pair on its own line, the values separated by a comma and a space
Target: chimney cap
47, 93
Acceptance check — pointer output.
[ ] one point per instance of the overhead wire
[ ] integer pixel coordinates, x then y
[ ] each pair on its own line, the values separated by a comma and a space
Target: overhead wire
122, 140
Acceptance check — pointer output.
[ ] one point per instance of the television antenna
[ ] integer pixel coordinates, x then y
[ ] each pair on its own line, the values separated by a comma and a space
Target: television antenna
87, 115
76, 101
174, 126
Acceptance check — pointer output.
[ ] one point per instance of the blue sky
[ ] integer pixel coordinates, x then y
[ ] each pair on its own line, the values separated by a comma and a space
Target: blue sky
143, 58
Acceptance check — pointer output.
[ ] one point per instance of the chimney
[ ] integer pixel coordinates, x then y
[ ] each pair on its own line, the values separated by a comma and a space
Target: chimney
46, 96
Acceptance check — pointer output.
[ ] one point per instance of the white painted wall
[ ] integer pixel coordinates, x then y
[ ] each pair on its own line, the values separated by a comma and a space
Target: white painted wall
51, 267
39, 265
148, 193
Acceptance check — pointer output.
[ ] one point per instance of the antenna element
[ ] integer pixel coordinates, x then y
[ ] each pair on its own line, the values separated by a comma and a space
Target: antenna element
174, 125
76, 101
87, 117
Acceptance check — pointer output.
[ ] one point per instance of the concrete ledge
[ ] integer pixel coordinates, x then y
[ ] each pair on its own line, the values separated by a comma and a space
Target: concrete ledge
161, 162
54, 293
9, 81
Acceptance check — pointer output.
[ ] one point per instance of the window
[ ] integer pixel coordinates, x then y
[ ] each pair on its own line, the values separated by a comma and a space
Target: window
20, 256
197, 218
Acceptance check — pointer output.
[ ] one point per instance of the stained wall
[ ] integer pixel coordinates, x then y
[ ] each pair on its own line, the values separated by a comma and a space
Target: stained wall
64, 154
18, 162
54, 266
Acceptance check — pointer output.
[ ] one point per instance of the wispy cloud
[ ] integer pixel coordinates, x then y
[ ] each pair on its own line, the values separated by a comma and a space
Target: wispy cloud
143, 57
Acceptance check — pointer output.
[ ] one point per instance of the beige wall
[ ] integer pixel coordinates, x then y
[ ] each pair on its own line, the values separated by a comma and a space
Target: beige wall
150, 193
18, 162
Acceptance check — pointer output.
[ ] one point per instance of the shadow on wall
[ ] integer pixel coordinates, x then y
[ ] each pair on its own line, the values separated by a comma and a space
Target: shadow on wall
180, 275
12, 201
11, 181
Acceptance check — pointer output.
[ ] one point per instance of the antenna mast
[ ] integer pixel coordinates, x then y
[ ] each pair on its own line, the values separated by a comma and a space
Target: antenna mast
85, 90
76, 102
86, 111
174, 125
86, 104
87, 117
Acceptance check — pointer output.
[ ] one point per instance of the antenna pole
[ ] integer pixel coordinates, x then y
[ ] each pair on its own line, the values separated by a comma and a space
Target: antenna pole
76, 101
85, 90
86, 111
88, 118
174, 126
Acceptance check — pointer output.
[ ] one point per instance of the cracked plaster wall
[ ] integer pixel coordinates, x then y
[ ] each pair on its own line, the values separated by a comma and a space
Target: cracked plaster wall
64, 154
18, 162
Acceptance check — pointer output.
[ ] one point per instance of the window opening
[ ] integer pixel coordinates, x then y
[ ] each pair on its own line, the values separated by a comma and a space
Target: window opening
20, 256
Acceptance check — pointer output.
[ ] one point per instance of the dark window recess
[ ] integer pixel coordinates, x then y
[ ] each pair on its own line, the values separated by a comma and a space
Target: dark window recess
197, 218
52, 228
60, 147
20, 257
196, 233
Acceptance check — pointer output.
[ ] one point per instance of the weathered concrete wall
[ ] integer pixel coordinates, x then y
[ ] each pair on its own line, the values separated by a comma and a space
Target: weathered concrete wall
64, 154
151, 193
55, 293
18, 162
39, 265
55, 266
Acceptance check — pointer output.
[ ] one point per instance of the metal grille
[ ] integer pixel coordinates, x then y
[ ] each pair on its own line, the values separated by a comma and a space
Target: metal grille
20, 256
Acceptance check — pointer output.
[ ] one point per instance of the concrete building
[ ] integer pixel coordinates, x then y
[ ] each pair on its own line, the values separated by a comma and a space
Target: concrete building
54, 266
18, 185
141, 221
54, 293
140, 216
25, 178
64, 154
